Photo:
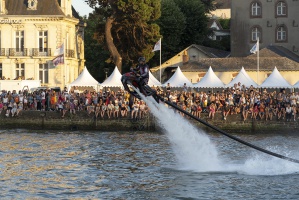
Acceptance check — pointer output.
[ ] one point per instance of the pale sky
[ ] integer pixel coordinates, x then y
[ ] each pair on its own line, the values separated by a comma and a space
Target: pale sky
81, 7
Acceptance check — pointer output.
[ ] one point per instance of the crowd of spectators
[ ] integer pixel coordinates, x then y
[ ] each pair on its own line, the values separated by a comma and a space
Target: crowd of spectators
249, 102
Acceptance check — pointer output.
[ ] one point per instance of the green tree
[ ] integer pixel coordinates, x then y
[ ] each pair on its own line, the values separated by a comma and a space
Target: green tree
95, 53
209, 5
172, 23
196, 22
127, 28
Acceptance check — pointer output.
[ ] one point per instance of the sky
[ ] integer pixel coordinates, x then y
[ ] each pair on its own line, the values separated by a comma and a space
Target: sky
81, 7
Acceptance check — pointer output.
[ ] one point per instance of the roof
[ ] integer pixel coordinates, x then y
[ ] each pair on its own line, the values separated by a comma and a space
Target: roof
223, 4
44, 7
234, 64
211, 52
269, 57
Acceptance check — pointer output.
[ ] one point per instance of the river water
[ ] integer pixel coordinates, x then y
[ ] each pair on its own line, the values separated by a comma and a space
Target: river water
181, 163
97, 165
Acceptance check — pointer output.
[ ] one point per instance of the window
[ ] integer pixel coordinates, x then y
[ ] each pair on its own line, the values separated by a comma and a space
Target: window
281, 34
256, 33
44, 73
281, 8
256, 9
20, 70
32, 4
43, 41
19, 41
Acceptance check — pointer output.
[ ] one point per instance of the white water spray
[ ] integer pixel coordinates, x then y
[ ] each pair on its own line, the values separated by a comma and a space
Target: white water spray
192, 148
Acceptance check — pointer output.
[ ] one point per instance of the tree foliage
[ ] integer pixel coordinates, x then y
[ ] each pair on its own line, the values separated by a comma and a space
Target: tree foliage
172, 23
127, 28
95, 53
196, 22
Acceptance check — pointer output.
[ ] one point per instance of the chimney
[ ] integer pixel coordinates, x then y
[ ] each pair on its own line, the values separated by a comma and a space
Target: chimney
66, 7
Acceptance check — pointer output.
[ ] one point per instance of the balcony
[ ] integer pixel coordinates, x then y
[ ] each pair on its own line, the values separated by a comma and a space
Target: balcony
69, 53
18, 52
35, 52
40, 52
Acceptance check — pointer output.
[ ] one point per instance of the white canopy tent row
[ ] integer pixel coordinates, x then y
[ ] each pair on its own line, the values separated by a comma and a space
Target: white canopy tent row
243, 78
114, 80
210, 80
84, 80
178, 79
275, 80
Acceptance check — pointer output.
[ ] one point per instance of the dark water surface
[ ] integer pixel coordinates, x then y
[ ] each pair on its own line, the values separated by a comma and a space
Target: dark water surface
98, 165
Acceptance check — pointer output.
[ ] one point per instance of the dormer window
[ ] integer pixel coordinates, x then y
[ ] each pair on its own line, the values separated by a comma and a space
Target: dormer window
32, 4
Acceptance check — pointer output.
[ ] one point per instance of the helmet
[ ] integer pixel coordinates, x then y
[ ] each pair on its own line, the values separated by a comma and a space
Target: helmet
141, 59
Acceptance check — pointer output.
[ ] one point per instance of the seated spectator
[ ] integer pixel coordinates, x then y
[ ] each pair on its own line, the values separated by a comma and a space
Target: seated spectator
225, 110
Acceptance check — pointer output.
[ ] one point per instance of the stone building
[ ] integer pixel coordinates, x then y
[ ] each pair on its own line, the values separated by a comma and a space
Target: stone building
31, 31
274, 22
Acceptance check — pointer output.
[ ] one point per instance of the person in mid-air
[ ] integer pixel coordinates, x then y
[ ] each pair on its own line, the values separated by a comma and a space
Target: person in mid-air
143, 69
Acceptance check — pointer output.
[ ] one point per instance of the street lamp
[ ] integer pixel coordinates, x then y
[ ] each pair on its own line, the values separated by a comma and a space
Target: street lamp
106, 70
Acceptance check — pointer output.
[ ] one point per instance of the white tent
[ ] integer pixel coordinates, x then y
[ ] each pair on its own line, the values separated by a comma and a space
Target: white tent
84, 80
275, 80
113, 80
243, 78
178, 79
153, 81
296, 85
210, 80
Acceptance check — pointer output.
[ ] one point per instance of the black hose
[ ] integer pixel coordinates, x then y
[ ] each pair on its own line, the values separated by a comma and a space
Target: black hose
226, 134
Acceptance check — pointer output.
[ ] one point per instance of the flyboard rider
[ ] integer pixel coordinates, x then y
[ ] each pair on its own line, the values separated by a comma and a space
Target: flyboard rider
143, 70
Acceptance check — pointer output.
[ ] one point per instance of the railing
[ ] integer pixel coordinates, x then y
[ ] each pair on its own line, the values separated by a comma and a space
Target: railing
18, 52
36, 52
40, 52
69, 53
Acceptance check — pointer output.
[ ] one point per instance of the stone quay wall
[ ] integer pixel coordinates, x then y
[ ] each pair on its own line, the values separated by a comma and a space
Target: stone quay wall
52, 120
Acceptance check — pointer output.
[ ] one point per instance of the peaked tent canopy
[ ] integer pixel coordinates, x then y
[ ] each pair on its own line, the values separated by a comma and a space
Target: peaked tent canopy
178, 79
113, 80
84, 80
210, 80
153, 81
296, 85
275, 80
243, 78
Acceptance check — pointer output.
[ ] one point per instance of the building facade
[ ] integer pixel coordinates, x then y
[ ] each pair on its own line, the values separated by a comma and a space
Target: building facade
31, 31
274, 22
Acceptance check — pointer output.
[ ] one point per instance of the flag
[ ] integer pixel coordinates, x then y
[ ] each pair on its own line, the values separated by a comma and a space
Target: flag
255, 47
58, 60
59, 51
157, 46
